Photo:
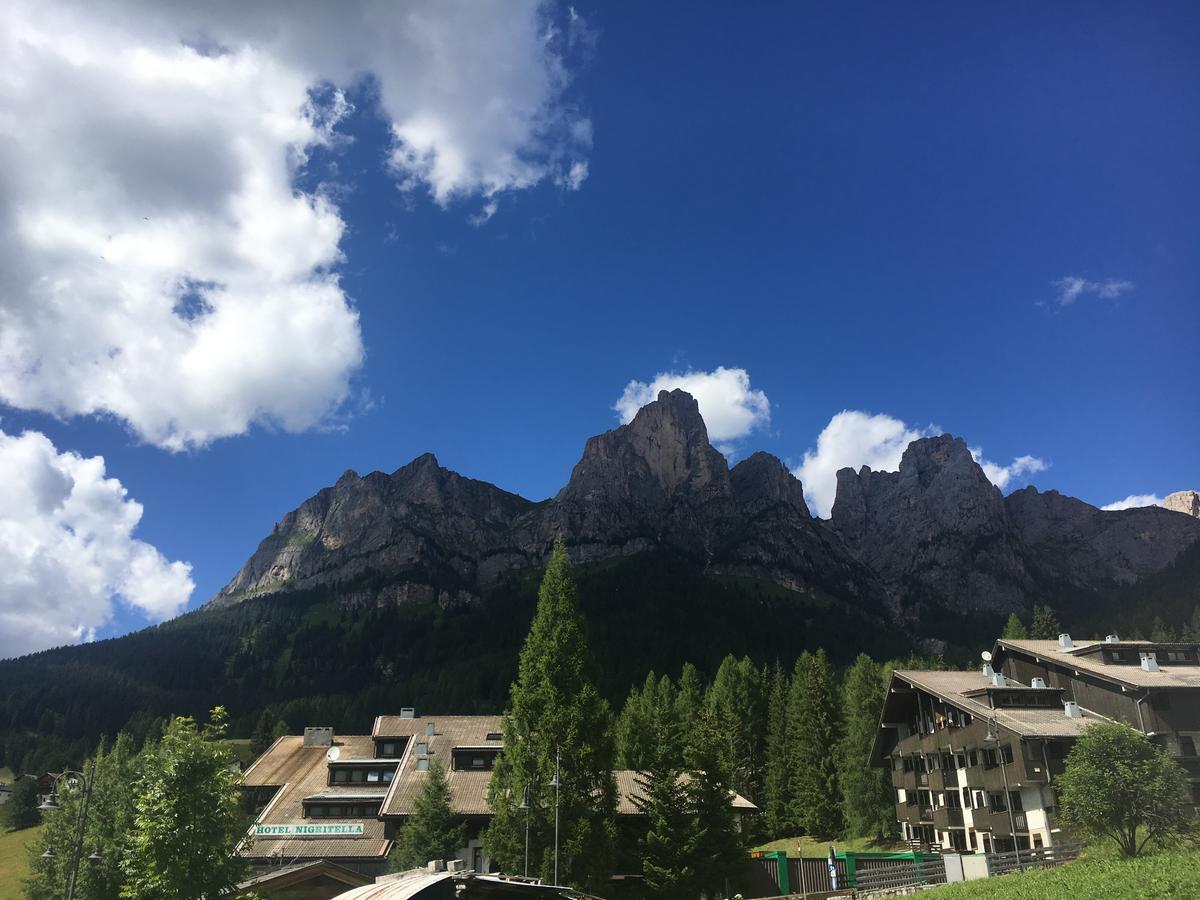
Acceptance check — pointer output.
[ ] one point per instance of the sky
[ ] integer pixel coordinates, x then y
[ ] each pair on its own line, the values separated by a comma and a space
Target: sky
244, 250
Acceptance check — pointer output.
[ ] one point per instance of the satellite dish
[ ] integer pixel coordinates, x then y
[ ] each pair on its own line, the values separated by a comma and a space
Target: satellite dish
333, 753
986, 655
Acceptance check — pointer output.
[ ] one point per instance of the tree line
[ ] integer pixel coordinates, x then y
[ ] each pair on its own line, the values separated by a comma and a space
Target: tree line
138, 804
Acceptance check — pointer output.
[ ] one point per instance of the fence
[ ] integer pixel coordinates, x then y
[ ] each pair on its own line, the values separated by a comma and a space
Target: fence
883, 874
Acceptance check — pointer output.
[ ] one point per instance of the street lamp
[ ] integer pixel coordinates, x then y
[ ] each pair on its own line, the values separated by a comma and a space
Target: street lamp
555, 784
525, 805
51, 804
993, 737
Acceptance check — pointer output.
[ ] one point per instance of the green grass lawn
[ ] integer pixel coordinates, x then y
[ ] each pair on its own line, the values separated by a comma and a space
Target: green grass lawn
1167, 874
241, 750
14, 865
811, 847
6, 775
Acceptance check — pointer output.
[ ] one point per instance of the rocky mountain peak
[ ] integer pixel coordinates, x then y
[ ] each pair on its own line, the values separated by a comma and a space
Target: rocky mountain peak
1186, 502
762, 477
664, 451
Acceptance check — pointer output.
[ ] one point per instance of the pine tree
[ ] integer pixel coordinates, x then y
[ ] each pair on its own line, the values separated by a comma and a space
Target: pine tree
716, 844
1045, 625
1014, 629
638, 726
689, 701
188, 777
813, 729
737, 705
777, 775
866, 790
667, 850
554, 706
433, 831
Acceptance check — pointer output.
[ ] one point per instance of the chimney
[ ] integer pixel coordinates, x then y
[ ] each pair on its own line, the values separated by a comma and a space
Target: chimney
1113, 638
320, 736
1071, 710
1038, 683
407, 712
1149, 661
1064, 641
988, 671
429, 729
998, 680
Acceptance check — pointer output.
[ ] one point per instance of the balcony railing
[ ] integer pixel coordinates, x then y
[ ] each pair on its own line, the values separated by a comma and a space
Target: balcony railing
926, 813
1019, 821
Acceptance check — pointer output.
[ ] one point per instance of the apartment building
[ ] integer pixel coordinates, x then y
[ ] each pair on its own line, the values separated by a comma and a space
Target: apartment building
973, 755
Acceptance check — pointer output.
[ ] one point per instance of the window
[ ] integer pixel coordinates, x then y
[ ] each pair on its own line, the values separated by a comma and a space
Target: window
1178, 656
387, 775
423, 764
388, 749
1014, 800
373, 775
966, 798
953, 801
478, 762
422, 749
1187, 745
1006, 753
493, 735
341, 775
357, 775
996, 802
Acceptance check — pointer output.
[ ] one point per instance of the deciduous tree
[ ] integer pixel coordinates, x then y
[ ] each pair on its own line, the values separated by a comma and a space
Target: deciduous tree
1119, 785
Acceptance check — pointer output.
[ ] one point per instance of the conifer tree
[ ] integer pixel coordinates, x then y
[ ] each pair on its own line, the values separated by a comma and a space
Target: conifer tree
689, 701
21, 810
1014, 629
554, 706
776, 789
667, 849
648, 716
866, 790
1045, 625
433, 831
716, 842
737, 705
813, 730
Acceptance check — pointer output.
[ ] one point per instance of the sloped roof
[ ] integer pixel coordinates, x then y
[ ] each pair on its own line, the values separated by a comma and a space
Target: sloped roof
631, 791
300, 772
954, 688
1169, 675
287, 876
468, 789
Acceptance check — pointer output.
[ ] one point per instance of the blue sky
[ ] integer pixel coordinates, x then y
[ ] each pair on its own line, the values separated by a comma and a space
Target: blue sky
865, 207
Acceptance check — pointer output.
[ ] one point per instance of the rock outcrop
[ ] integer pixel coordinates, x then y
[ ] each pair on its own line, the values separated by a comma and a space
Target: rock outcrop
935, 534
1186, 502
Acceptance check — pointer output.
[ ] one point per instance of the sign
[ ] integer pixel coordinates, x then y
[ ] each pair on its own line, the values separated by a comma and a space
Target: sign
304, 829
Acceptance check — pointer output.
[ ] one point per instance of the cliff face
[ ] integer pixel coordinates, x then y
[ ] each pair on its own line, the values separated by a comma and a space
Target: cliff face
935, 534
936, 530
1186, 502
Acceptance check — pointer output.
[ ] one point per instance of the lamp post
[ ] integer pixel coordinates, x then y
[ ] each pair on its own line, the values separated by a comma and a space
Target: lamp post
51, 805
525, 805
993, 737
555, 785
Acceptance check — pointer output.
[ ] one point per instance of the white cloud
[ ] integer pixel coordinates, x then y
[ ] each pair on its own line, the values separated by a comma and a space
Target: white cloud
67, 551
159, 261
854, 438
1072, 287
1135, 500
730, 407
1000, 476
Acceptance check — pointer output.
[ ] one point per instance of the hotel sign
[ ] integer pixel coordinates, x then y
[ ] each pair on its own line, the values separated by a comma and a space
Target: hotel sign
304, 829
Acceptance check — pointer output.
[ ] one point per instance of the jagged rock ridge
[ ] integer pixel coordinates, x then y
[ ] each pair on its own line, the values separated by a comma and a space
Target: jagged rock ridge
935, 533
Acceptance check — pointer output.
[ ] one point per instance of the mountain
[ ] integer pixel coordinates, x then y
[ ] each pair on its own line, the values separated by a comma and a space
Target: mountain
417, 587
1187, 502
653, 485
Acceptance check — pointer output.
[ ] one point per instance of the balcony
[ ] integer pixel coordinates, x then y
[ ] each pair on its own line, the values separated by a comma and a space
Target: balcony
948, 817
926, 814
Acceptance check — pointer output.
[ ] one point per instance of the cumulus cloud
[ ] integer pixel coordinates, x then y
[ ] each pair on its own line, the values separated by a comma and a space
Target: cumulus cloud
854, 438
730, 407
1135, 500
1000, 476
1072, 287
160, 261
67, 551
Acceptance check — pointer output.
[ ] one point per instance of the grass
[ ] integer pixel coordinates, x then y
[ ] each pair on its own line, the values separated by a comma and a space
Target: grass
812, 847
1167, 874
6, 775
240, 747
14, 863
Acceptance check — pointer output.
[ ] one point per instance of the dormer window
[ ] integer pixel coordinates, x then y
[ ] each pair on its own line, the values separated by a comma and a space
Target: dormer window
493, 735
